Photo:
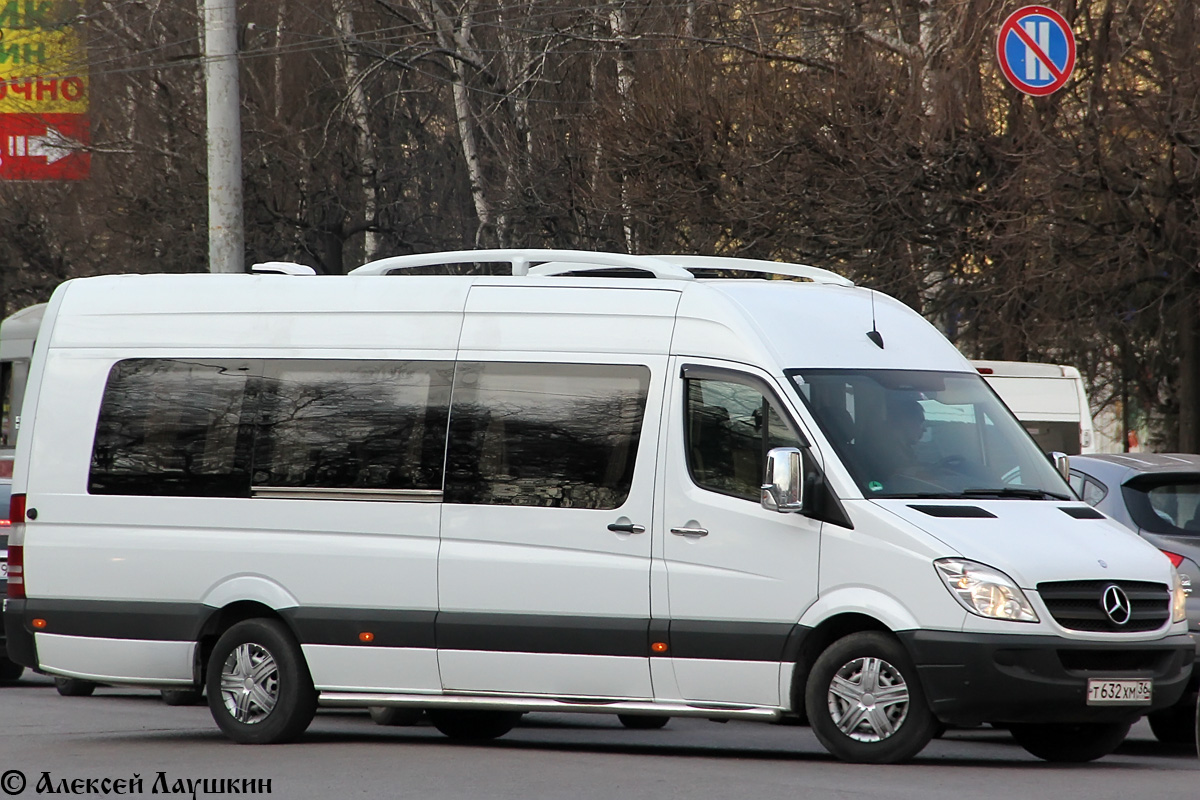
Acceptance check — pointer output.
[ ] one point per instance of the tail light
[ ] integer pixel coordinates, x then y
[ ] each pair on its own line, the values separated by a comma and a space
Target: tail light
1176, 559
16, 547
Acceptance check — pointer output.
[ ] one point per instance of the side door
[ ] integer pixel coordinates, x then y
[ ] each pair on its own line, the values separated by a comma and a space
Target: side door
544, 567
738, 576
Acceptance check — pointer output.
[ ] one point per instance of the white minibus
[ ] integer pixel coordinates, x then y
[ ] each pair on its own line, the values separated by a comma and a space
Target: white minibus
599, 483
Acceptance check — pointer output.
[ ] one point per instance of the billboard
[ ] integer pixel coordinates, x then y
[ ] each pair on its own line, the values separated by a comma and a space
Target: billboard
44, 127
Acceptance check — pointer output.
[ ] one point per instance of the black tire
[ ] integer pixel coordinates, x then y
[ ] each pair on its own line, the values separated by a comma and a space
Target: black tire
473, 725
182, 697
874, 733
1177, 724
74, 687
10, 671
642, 722
1073, 743
259, 687
395, 716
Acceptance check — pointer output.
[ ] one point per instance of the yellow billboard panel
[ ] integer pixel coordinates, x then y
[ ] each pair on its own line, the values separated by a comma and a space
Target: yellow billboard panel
43, 60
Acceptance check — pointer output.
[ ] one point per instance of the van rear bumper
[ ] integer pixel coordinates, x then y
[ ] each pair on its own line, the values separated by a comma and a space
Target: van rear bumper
975, 678
17, 637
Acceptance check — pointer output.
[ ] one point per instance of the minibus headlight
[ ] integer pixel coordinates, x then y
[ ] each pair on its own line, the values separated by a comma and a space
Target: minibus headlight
985, 591
1178, 599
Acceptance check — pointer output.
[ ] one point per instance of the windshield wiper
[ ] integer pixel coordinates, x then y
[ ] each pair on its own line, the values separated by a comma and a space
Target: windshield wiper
1025, 492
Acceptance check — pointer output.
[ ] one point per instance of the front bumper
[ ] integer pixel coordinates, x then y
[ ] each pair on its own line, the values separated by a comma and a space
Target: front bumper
971, 678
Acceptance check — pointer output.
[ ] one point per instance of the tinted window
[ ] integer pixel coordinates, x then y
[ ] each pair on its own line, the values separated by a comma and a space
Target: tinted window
1164, 503
351, 424
172, 428
556, 435
730, 427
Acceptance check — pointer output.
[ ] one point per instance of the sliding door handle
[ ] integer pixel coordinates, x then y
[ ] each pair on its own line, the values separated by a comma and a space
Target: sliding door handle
697, 532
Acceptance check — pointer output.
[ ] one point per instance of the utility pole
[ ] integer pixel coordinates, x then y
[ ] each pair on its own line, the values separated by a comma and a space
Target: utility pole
226, 238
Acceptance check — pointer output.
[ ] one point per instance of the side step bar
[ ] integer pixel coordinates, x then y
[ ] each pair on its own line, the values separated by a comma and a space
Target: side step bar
546, 704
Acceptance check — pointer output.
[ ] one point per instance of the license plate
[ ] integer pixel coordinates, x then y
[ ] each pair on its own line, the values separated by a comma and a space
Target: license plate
1118, 693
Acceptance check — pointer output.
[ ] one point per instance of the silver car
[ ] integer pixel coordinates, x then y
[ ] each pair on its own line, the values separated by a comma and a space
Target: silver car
1158, 496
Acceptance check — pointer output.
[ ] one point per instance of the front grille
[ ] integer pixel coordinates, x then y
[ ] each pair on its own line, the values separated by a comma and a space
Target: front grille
1078, 605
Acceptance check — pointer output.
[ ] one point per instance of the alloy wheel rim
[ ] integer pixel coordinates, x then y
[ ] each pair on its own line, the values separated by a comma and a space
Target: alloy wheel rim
250, 683
868, 699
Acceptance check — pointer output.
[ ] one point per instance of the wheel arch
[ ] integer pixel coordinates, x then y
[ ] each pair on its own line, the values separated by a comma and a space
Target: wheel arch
819, 638
222, 619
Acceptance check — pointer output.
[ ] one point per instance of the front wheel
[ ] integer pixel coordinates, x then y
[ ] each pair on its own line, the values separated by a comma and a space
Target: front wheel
1070, 742
865, 703
1175, 725
259, 689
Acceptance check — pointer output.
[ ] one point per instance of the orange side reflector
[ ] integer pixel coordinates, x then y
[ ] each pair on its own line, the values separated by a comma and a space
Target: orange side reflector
659, 647
39, 623
366, 636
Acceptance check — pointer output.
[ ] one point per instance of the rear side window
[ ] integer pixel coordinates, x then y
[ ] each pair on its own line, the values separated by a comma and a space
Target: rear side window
375, 425
551, 435
172, 427
1165, 503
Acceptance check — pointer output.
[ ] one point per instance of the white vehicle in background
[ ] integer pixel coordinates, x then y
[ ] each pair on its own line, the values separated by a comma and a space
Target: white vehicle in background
17, 335
1048, 399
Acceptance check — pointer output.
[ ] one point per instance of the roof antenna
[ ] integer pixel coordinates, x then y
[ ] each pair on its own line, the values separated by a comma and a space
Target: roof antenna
874, 335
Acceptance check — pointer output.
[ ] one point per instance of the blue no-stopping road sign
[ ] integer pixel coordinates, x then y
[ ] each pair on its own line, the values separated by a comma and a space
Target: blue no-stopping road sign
1036, 50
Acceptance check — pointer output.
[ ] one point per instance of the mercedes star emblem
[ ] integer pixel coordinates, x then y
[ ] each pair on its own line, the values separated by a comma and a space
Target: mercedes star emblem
1116, 604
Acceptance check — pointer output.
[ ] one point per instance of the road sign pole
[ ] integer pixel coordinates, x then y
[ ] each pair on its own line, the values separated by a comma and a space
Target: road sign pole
226, 238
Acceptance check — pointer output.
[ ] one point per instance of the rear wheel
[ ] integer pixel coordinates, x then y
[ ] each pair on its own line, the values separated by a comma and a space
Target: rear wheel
642, 722
1070, 743
259, 689
74, 687
395, 716
865, 703
182, 697
474, 725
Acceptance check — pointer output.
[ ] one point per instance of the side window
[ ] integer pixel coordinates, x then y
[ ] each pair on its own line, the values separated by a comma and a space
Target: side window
1089, 490
369, 425
729, 428
172, 427
553, 435
1093, 492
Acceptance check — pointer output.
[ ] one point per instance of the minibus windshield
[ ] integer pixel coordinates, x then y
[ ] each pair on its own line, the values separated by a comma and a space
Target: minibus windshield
914, 434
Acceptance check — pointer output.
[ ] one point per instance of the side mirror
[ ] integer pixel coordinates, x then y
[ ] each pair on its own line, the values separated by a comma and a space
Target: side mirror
783, 486
1062, 463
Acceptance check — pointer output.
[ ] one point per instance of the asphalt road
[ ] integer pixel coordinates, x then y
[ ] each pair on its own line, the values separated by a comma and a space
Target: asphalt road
120, 733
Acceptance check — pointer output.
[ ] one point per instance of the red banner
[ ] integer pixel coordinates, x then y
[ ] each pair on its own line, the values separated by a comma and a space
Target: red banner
44, 147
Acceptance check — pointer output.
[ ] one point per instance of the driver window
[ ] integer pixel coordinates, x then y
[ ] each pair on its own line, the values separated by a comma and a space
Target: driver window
729, 428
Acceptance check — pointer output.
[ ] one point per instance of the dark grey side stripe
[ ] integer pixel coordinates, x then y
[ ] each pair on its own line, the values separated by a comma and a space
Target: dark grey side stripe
511, 633
119, 619
537, 633
342, 626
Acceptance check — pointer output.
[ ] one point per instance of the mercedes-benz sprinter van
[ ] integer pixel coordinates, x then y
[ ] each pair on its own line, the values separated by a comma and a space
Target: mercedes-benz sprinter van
601, 483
